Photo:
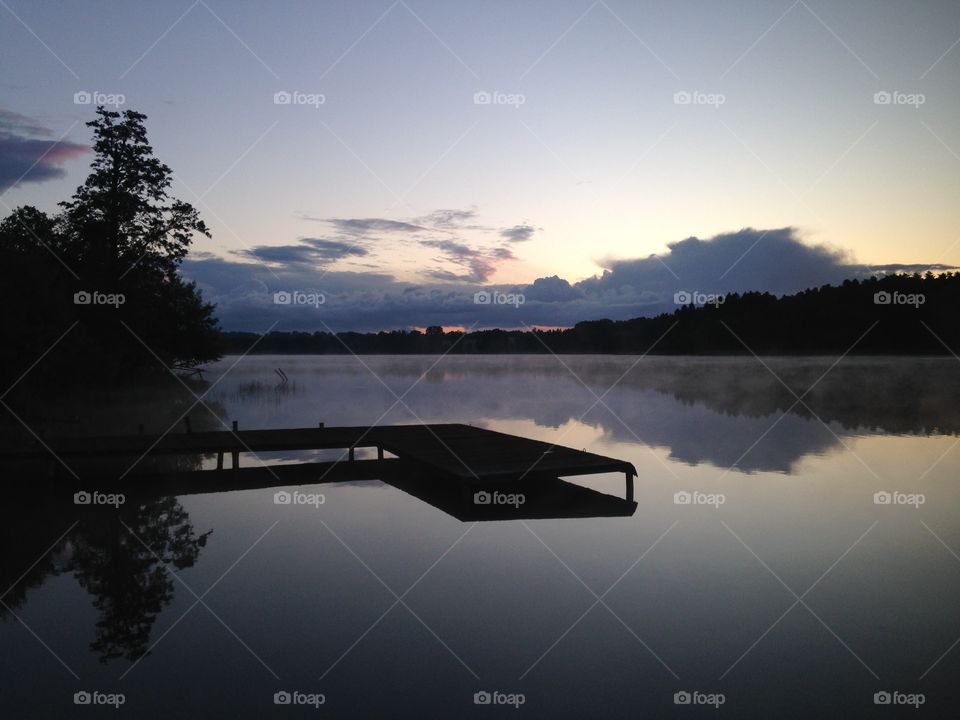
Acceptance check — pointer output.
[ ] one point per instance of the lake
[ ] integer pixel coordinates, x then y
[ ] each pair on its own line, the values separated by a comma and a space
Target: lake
795, 552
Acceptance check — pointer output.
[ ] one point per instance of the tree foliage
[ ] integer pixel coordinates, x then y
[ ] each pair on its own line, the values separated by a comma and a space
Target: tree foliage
104, 272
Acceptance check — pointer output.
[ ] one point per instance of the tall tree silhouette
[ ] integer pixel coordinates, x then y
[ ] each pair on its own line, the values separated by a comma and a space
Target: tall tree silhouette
122, 218
121, 235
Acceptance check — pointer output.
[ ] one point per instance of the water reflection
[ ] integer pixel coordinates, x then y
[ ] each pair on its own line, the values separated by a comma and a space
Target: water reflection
703, 410
124, 561
553, 499
123, 557
693, 583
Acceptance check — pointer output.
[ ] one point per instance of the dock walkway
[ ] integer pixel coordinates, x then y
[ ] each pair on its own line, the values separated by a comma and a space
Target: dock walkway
462, 453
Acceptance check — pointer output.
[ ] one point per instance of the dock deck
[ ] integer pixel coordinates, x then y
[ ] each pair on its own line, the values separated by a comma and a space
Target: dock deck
463, 453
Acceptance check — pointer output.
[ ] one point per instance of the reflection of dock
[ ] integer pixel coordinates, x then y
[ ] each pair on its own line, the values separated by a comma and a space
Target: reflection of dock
527, 500
541, 498
461, 453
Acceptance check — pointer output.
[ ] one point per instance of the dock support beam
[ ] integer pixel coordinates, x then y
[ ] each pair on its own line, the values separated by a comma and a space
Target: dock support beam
220, 460
629, 487
351, 454
379, 452
235, 455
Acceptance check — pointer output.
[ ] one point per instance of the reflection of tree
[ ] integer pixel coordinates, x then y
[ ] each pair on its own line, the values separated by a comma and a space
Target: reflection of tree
25, 532
126, 572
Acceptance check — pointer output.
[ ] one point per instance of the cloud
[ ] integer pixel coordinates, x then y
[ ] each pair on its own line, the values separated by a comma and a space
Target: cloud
310, 251
478, 264
777, 261
552, 289
364, 226
447, 219
518, 233
914, 268
13, 122
29, 159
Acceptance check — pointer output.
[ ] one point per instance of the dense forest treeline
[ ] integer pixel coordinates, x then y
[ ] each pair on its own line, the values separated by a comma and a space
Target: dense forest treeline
895, 314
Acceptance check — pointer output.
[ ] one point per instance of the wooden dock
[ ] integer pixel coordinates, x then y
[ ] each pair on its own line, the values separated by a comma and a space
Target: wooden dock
457, 452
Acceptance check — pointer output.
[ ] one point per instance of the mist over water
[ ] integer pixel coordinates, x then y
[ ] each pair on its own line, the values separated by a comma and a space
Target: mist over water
748, 499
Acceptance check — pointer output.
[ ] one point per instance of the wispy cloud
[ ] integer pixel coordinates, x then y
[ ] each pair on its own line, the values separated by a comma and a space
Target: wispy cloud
518, 233
24, 157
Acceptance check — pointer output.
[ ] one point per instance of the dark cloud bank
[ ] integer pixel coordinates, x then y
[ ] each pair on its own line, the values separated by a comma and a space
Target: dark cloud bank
27, 154
776, 261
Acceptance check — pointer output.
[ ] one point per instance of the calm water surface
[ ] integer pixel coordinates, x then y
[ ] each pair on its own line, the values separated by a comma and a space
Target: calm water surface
787, 584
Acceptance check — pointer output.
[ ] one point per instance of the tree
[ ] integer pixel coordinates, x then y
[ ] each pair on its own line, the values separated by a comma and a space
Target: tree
122, 236
122, 217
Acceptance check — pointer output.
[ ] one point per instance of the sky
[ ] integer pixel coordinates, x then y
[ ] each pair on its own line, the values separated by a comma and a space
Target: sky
394, 164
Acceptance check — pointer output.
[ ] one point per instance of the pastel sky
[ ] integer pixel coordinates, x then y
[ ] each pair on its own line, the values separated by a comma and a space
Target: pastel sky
431, 149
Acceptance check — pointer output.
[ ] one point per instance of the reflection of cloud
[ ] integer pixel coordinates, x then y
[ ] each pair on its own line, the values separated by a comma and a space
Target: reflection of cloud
775, 261
704, 410
24, 158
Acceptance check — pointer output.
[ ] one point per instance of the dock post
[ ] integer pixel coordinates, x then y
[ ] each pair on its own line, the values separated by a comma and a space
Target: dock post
236, 425
220, 460
351, 454
235, 459
320, 426
379, 452
629, 486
